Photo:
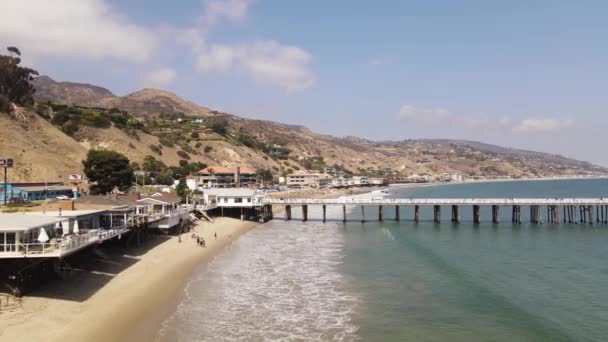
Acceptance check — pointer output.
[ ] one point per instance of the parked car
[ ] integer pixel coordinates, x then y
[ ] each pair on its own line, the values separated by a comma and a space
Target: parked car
63, 197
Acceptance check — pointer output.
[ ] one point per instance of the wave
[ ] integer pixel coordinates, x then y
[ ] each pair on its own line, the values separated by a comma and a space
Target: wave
279, 282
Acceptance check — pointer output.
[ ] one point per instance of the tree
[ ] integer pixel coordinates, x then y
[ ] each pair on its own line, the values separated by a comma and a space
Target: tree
264, 176
108, 169
182, 189
15, 80
164, 179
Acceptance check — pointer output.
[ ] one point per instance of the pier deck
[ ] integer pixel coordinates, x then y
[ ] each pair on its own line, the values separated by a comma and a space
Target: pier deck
575, 210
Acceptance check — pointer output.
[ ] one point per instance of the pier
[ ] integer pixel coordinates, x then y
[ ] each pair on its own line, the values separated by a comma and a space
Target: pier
558, 210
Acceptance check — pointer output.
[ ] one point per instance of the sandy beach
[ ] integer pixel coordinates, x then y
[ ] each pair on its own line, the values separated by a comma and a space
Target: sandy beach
124, 296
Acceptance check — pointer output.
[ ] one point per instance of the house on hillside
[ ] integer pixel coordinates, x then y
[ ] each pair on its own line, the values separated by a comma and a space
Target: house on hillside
224, 177
314, 180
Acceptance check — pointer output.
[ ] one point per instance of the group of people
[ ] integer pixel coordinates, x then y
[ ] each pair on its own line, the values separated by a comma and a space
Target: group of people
201, 240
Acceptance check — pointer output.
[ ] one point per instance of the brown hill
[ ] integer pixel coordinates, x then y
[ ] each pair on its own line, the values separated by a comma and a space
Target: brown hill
355, 154
145, 103
69, 93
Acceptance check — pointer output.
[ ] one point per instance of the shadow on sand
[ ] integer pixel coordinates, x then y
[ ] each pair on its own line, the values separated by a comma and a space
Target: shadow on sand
85, 273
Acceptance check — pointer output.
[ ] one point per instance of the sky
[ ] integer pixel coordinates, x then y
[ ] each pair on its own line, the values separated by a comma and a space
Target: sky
525, 74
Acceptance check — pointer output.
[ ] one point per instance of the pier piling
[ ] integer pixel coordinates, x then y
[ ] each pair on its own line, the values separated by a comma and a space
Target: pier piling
437, 212
476, 214
495, 213
324, 213
287, 213
380, 213
397, 218
344, 213
362, 214
304, 213
417, 213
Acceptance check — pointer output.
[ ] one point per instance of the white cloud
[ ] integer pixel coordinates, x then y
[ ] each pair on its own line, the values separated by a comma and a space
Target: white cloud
542, 125
74, 28
433, 116
215, 10
160, 77
216, 58
267, 62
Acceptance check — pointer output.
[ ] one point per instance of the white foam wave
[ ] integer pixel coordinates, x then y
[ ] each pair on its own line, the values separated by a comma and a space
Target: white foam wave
279, 282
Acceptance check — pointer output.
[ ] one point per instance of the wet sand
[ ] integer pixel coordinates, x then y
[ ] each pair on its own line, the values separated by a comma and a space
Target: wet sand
125, 297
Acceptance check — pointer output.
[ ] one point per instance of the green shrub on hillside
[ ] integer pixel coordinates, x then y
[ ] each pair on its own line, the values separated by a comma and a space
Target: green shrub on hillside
183, 154
156, 149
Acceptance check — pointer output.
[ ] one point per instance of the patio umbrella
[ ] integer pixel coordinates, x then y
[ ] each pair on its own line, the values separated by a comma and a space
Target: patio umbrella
65, 225
43, 237
75, 230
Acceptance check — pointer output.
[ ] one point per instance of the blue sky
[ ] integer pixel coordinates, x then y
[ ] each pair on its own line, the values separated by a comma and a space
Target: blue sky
527, 74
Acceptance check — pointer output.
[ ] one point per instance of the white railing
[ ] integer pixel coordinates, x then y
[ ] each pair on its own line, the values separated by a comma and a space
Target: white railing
64, 245
437, 201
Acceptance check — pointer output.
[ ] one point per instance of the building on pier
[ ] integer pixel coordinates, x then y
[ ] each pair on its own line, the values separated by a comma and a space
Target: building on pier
243, 203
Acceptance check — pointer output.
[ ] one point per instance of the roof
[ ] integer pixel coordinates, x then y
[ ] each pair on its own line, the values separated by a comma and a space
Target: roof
226, 170
20, 222
42, 188
66, 213
167, 198
231, 192
103, 202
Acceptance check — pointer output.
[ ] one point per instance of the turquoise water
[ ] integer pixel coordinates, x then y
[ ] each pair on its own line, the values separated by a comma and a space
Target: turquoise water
408, 282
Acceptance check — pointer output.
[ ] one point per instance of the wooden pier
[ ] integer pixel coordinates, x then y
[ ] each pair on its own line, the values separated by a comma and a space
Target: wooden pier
572, 210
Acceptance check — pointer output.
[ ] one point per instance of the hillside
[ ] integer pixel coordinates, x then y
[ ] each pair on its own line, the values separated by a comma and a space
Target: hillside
169, 122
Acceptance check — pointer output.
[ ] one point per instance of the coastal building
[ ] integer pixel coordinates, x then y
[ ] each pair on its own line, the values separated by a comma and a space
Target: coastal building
244, 203
163, 211
304, 179
27, 192
54, 234
223, 177
450, 177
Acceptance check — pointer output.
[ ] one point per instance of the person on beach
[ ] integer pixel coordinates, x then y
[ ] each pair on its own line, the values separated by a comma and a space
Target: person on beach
215, 234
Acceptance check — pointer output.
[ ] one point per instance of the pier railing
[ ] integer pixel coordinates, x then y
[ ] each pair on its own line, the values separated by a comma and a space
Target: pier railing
438, 201
574, 210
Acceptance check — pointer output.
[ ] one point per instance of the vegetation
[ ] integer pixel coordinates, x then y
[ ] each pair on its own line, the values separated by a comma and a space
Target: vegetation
15, 81
264, 176
183, 154
218, 125
108, 170
182, 189
156, 149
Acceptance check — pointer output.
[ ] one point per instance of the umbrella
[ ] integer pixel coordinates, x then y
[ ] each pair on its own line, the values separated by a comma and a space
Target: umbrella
66, 227
43, 237
75, 230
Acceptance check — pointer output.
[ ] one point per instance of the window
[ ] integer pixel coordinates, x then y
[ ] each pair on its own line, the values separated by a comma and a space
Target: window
249, 200
238, 200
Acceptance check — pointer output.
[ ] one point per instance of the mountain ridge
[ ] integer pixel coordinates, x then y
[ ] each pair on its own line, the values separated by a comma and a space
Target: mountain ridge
306, 148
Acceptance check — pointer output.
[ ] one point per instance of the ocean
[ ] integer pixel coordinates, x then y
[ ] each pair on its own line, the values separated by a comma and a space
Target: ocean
390, 281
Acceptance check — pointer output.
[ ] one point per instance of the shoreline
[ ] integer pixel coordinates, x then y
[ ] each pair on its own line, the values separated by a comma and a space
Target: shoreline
126, 298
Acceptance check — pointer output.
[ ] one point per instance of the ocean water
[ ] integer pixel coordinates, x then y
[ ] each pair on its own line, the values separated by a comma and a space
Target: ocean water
314, 281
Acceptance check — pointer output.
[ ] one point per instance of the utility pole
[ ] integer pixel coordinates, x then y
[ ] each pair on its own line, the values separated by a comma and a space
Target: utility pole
6, 163
5, 185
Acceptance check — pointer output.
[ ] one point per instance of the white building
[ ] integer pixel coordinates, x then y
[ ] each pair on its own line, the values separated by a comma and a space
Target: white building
233, 197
